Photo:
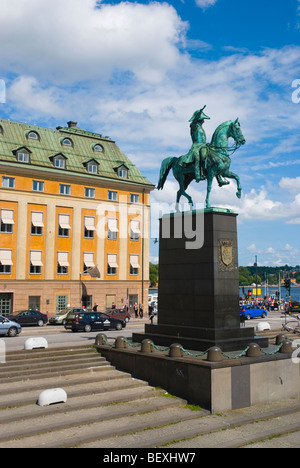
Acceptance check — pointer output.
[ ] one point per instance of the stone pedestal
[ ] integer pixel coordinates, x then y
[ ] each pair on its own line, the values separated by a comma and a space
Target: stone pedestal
198, 297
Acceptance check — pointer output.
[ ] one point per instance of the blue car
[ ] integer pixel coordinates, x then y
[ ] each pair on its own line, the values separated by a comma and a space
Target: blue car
9, 328
251, 311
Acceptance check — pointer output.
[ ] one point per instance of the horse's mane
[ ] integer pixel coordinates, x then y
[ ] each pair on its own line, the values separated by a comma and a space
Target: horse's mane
219, 129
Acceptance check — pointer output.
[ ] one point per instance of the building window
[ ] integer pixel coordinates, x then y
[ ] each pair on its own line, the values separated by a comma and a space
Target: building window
98, 148
7, 221
23, 156
5, 261
112, 229
36, 262
38, 186
37, 224
112, 264
64, 225
60, 162
134, 198
89, 192
88, 261
123, 172
63, 263
134, 265
34, 303
89, 227
112, 196
8, 182
92, 168
64, 189
33, 136
135, 230
67, 142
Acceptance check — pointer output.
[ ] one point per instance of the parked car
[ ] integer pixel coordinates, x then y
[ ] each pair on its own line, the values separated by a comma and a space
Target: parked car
8, 327
60, 317
29, 318
121, 314
90, 321
251, 311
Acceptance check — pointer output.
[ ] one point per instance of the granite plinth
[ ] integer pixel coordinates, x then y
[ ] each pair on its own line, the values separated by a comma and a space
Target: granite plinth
198, 296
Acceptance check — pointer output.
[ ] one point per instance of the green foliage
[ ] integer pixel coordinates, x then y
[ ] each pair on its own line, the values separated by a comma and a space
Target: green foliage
153, 274
271, 274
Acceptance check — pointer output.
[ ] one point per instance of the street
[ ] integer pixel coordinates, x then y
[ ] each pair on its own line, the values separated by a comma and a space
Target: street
57, 336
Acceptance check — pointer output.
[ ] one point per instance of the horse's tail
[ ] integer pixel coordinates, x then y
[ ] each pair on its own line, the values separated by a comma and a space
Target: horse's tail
164, 171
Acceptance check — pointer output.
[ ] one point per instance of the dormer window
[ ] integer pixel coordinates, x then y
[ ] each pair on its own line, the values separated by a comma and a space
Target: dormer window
59, 161
122, 171
98, 148
92, 166
67, 142
23, 155
33, 136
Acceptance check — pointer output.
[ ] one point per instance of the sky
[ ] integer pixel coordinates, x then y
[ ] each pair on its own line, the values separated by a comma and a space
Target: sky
137, 71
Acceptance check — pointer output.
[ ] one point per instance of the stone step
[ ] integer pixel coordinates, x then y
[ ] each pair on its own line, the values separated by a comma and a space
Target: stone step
228, 430
110, 409
68, 418
84, 390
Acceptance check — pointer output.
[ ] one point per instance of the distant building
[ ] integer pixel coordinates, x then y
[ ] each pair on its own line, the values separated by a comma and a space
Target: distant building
75, 217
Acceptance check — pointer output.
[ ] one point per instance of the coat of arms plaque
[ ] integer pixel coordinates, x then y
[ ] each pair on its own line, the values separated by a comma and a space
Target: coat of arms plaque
226, 255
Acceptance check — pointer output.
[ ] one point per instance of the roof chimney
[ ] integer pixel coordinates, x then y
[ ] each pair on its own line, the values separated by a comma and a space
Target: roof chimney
72, 124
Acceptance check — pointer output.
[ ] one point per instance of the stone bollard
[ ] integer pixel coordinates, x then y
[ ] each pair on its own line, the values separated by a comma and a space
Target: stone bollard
254, 350
280, 338
147, 346
101, 340
214, 354
287, 347
175, 351
120, 343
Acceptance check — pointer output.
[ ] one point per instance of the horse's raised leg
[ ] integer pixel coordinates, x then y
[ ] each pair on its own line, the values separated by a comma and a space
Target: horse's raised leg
232, 175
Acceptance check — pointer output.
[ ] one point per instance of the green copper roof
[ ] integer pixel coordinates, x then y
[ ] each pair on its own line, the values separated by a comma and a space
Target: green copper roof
14, 135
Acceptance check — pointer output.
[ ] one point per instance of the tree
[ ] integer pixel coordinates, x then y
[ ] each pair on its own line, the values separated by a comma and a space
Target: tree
153, 274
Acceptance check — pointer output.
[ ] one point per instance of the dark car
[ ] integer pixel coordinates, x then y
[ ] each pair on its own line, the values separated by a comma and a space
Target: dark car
29, 318
121, 314
90, 321
295, 306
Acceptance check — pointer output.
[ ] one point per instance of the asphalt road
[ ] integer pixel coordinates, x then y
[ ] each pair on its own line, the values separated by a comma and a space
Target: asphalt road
57, 336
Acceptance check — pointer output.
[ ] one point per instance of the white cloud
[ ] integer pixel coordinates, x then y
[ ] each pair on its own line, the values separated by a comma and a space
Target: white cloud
26, 93
75, 40
206, 3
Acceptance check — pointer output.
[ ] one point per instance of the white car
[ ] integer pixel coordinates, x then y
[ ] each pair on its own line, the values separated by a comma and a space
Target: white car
59, 318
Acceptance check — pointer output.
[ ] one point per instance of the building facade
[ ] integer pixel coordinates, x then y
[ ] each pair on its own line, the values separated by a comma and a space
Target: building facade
75, 221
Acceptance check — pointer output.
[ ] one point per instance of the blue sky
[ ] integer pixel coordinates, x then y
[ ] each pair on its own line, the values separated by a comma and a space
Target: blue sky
137, 71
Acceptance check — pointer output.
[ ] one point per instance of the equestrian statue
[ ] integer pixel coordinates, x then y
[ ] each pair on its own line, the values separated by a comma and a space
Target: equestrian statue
205, 161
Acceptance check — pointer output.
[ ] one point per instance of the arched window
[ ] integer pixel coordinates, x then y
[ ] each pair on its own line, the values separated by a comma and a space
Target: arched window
67, 142
98, 148
33, 136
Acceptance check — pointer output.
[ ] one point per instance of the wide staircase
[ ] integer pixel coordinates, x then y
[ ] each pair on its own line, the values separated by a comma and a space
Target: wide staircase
107, 408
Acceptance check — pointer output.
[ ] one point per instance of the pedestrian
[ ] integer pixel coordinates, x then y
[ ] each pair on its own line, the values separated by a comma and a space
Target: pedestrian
135, 310
95, 308
141, 311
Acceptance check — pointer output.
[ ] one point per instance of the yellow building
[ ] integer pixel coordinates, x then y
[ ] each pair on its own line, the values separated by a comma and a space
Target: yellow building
75, 221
